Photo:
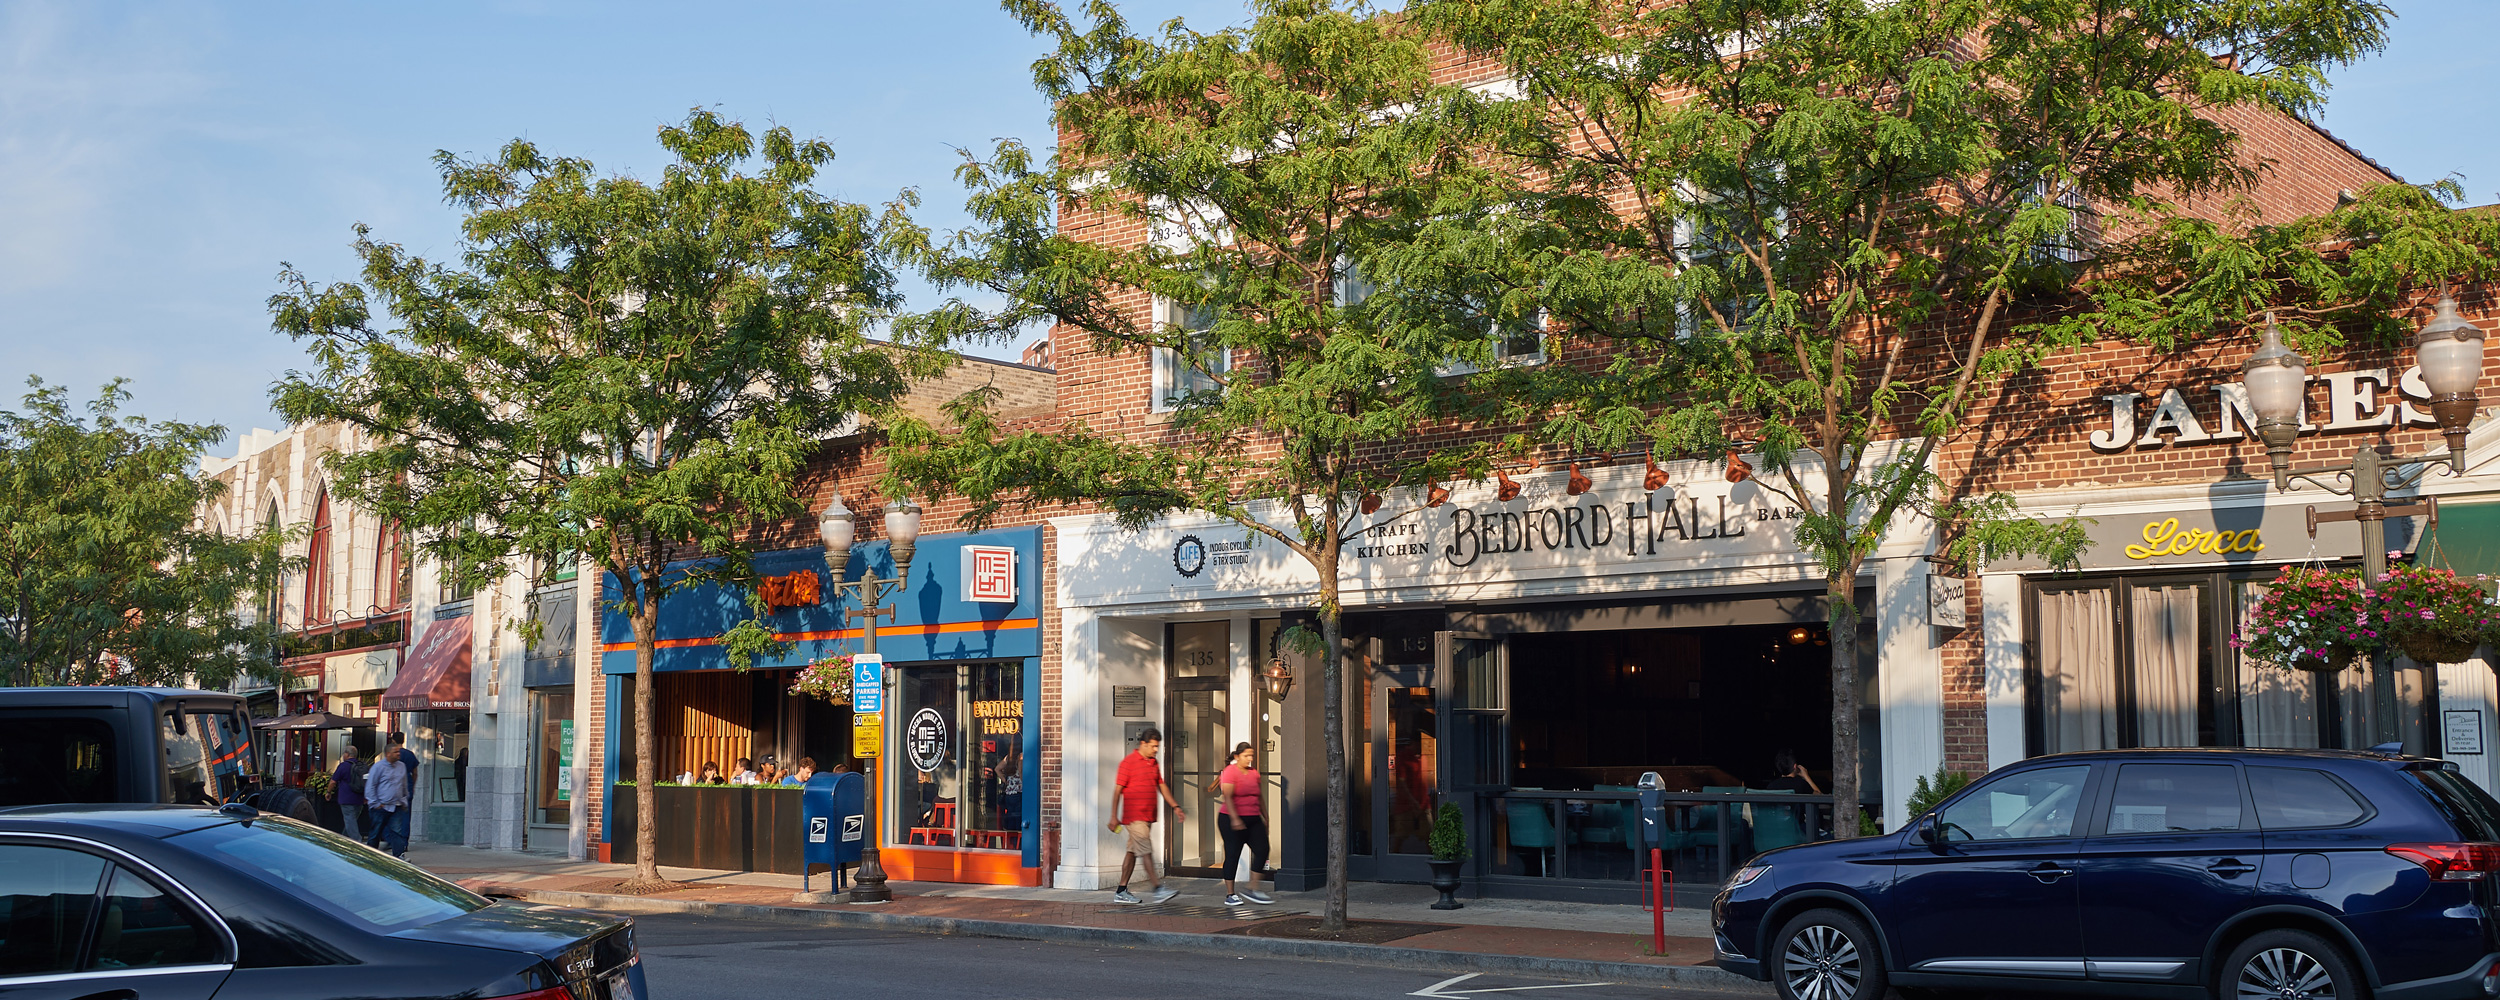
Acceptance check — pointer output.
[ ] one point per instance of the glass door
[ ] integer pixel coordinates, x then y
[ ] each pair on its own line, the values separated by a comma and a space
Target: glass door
1197, 738
1404, 750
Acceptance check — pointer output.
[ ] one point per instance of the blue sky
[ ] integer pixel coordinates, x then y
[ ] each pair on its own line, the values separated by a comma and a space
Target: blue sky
159, 159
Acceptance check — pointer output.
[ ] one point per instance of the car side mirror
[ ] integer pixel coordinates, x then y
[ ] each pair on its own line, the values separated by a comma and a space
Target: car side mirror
1928, 833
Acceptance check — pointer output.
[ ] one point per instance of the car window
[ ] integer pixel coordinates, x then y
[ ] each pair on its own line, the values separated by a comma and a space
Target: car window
2174, 798
46, 894
2466, 805
43, 761
336, 873
2017, 806
143, 928
2289, 798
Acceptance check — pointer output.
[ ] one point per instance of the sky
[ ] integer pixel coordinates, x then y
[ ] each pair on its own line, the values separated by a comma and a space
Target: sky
159, 161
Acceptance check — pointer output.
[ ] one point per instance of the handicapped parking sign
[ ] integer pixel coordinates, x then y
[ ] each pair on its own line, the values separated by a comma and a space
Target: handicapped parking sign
867, 683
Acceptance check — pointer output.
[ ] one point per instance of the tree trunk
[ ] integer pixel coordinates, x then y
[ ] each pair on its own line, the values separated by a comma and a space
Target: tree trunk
1332, 734
646, 763
1841, 591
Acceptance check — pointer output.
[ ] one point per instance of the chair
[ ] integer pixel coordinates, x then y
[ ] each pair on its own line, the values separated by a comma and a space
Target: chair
1777, 826
1531, 831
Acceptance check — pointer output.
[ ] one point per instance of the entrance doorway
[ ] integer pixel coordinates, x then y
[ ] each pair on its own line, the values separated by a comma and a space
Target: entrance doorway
1197, 733
1397, 775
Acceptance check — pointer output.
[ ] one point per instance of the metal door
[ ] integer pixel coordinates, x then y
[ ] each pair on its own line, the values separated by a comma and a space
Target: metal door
1403, 749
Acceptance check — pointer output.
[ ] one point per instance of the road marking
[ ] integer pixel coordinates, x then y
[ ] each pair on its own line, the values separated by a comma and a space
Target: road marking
1438, 989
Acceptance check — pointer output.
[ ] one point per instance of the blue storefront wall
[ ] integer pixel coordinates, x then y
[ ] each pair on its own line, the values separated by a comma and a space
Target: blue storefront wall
932, 623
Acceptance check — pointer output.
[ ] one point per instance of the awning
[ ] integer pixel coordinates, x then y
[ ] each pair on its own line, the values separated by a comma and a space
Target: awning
436, 673
2467, 539
314, 720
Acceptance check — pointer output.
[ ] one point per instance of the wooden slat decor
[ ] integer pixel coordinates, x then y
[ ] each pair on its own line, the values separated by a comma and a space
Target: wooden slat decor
704, 717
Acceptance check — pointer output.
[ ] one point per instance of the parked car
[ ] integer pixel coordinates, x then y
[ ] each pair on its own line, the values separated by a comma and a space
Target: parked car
156, 902
2280, 874
132, 744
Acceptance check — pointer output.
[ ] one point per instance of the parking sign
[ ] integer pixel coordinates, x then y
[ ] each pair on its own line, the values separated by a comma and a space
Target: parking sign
867, 684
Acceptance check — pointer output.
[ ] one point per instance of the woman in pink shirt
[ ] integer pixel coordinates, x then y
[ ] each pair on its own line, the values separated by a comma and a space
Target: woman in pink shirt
1237, 803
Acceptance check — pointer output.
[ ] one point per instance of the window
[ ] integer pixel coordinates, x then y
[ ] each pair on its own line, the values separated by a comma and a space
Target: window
959, 763
2175, 798
1177, 377
144, 928
390, 565
2019, 806
47, 760
46, 894
2290, 798
2123, 663
453, 590
1515, 341
1708, 239
2470, 809
208, 757
2072, 244
338, 874
317, 564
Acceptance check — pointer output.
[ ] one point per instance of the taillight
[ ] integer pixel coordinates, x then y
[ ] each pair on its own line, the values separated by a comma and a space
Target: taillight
2451, 862
550, 993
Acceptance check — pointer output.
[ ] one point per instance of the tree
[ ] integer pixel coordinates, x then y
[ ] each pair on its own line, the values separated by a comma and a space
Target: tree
1274, 168
105, 574
633, 371
1811, 226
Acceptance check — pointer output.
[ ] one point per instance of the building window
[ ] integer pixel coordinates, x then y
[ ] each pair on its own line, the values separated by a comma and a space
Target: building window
958, 738
317, 564
2072, 244
2146, 662
390, 566
1177, 376
1708, 238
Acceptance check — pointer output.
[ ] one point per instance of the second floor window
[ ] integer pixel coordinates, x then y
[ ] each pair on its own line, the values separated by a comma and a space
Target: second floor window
1177, 375
317, 564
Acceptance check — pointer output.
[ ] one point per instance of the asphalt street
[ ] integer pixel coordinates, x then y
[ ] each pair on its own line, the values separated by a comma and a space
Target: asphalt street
705, 958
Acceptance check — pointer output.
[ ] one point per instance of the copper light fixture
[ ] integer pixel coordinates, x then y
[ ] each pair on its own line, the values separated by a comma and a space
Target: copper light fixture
1579, 482
1798, 636
1507, 491
1656, 479
1277, 679
1436, 494
1371, 503
1738, 470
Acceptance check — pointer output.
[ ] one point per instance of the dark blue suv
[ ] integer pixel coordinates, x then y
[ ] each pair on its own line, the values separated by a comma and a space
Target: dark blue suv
2237, 874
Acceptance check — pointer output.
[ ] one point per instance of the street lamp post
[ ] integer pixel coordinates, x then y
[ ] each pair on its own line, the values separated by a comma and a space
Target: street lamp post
2451, 354
839, 527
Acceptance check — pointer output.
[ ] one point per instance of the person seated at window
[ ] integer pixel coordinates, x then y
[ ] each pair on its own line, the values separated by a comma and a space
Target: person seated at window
710, 775
1790, 776
805, 770
768, 774
745, 774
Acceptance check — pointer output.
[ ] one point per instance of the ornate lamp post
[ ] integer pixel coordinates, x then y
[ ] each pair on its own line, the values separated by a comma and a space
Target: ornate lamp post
2451, 354
839, 527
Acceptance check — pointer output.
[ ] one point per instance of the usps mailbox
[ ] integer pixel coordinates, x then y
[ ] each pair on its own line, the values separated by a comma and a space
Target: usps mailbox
833, 827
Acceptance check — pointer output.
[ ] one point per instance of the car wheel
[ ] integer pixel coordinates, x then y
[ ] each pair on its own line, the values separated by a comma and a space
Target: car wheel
291, 803
1826, 955
2288, 965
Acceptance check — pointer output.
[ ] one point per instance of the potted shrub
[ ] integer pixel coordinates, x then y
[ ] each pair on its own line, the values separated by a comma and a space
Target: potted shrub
1449, 850
2313, 619
2433, 615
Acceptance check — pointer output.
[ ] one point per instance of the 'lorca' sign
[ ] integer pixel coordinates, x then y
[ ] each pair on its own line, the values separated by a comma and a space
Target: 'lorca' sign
2364, 399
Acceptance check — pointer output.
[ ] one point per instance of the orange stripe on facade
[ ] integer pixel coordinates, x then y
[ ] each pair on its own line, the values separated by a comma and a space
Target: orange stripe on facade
847, 633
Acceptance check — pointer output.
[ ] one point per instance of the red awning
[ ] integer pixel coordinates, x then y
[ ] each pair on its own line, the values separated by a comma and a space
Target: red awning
436, 673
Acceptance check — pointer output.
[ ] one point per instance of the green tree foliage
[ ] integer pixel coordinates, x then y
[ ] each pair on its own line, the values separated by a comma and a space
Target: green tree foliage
1274, 164
636, 371
105, 575
1932, 790
1813, 227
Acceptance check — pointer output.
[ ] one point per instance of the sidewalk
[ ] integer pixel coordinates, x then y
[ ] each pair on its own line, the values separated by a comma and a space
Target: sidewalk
1394, 924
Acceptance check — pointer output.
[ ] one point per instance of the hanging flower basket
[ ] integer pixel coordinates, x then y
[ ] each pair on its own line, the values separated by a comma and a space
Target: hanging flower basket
2314, 620
829, 679
2434, 615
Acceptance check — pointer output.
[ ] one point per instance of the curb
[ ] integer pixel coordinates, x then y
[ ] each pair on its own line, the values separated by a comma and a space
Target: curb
1425, 959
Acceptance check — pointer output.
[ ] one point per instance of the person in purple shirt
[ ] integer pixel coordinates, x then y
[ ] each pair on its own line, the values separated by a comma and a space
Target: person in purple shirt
348, 784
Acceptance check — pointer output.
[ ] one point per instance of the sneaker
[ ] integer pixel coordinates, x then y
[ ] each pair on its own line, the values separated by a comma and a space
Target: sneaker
1258, 897
1235, 900
1125, 896
1164, 892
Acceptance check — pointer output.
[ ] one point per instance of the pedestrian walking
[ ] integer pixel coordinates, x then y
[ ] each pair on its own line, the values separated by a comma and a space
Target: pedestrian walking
387, 798
1243, 826
347, 785
1134, 790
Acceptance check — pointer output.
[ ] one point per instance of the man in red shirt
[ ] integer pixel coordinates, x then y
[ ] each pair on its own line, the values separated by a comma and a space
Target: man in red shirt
1133, 793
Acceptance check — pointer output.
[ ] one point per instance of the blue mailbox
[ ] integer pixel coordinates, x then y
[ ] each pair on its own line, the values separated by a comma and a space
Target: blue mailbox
833, 828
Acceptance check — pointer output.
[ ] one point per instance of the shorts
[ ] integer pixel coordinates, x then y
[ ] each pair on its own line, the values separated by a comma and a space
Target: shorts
1140, 838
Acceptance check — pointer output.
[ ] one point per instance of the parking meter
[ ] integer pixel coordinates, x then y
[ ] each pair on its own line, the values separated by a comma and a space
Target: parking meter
1653, 810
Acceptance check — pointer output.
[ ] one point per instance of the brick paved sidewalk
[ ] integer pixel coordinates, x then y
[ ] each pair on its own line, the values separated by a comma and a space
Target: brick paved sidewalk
1610, 941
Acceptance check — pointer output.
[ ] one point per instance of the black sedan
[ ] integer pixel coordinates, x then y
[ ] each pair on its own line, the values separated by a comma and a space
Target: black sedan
189, 903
